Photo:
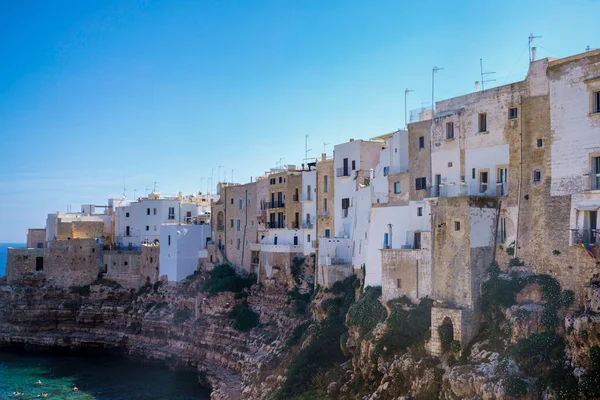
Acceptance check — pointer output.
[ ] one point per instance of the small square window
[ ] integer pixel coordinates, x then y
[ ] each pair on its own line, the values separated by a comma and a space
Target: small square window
126, 215
155, 211
450, 164
398, 283
231, 201
449, 130
421, 142
540, 143
513, 113
457, 225
353, 165
280, 179
537, 176
419, 211
396, 187
147, 227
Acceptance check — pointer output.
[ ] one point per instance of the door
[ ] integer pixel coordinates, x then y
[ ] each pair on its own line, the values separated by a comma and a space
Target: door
327, 233
345, 167
594, 237
386, 238
417, 244
595, 173
502, 179
279, 199
438, 183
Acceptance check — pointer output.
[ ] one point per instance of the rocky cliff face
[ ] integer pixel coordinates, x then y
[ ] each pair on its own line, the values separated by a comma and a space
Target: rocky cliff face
180, 326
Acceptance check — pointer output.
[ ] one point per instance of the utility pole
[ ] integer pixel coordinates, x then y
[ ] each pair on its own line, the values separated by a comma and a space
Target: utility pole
531, 37
154, 190
483, 81
219, 172
325, 144
232, 175
201, 179
406, 91
433, 72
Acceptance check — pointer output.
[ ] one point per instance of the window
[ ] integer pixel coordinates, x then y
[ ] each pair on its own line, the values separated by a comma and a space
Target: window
238, 243
171, 212
325, 205
417, 240
353, 165
396, 187
147, 211
386, 241
540, 143
457, 225
345, 206
295, 240
398, 283
154, 211
449, 130
482, 122
147, 228
125, 263
473, 174
239, 225
126, 215
595, 176
169, 240
39, 263
421, 142
596, 108
421, 183
231, 222
386, 171
483, 181
450, 164
537, 176
280, 179
241, 204
40, 245
155, 227
127, 230
325, 184
327, 233
502, 237
232, 200
248, 201
512, 113
308, 238
419, 211
275, 240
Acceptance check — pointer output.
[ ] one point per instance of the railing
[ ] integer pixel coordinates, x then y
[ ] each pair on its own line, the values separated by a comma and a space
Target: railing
396, 170
274, 204
275, 225
295, 225
415, 115
323, 214
344, 213
307, 225
501, 189
594, 181
295, 198
453, 190
589, 236
220, 227
380, 197
339, 261
342, 172
307, 196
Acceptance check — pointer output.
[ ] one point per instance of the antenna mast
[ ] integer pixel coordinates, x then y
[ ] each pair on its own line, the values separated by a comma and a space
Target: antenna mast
531, 37
306, 149
483, 81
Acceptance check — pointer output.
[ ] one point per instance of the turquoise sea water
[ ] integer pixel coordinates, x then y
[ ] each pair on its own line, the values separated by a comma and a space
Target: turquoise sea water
3, 247
96, 377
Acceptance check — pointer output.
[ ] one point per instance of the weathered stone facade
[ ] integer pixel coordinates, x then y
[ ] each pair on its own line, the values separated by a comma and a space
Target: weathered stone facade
36, 238
79, 230
133, 269
325, 197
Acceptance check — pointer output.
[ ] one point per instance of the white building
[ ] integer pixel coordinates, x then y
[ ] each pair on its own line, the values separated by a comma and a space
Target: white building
309, 210
182, 246
140, 221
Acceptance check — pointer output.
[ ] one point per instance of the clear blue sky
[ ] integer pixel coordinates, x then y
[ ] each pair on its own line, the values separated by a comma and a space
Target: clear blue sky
92, 92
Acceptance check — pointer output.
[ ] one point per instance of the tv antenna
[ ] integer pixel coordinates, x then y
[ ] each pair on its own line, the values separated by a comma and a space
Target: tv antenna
306, 149
531, 37
155, 183
483, 81
325, 144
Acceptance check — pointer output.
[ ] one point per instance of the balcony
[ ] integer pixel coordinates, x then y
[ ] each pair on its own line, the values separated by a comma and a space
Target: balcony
585, 236
344, 213
274, 204
295, 198
220, 227
323, 214
295, 225
275, 225
341, 172
307, 197
307, 225
334, 260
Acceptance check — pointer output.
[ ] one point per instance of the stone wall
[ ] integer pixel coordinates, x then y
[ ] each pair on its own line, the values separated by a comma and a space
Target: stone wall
419, 158
36, 238
79, 230
325, 219
406, 272
275, 268
462, 324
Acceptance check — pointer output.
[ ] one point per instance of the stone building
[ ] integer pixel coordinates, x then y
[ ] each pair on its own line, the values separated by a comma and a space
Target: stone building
325, 197
36, 238
133, 268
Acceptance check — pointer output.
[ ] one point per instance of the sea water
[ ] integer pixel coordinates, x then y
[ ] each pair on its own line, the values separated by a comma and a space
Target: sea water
3, 248
98, 377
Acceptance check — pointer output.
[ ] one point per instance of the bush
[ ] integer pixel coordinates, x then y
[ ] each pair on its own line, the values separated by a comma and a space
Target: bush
406, 328
71, 305
181, 316
515, 387
367, 312
224, 279
107, 283
243, 317
81, 290
296, 269
455, 346
537, 349
301, 300
297, 334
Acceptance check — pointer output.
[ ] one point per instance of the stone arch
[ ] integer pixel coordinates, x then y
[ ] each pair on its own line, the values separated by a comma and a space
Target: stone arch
446, 332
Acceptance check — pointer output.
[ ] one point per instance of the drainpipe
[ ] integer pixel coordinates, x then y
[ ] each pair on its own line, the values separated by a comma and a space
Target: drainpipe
520, 175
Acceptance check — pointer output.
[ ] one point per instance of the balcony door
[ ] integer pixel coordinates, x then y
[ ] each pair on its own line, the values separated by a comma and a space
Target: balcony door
502, 179
590, 227
345, 167
438, 184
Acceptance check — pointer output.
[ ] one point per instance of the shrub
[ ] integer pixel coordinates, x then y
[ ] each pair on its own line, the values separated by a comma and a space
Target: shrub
515, 387
455, 346
538, 348
108, 283
296, 269
71, 305
367, 312
406, 328
297, 334
224, 279
243, 317
301, 300
590, 384
446, 334
181, 316
81, 290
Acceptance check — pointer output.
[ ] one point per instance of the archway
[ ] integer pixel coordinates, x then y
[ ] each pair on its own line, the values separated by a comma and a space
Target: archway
446, 332
220, 223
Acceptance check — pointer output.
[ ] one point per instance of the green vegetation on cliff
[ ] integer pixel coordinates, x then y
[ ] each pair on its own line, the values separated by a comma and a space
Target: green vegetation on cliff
222, 278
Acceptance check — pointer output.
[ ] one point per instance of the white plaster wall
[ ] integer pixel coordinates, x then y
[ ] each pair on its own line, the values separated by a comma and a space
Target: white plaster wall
575, 134
309, 178
360, 230
405, 222
439, 163
334, 248
284, 237
188, 242
138, 220
483, 226
485, 158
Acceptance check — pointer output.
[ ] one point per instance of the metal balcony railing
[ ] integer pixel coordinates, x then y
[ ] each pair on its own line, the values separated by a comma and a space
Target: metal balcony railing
295, 225
307, 196
342, 172
380, 197
344, 213
323, 214
220, 227
275, 225
307, 225
274, 204
594, 181
589, 236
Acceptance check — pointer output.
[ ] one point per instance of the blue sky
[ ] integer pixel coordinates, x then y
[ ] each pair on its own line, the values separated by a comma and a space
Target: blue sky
93, 93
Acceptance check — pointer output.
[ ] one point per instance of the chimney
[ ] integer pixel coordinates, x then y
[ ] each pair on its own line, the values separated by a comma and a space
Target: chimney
352, 140
533, 52
323, 156
477, 86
